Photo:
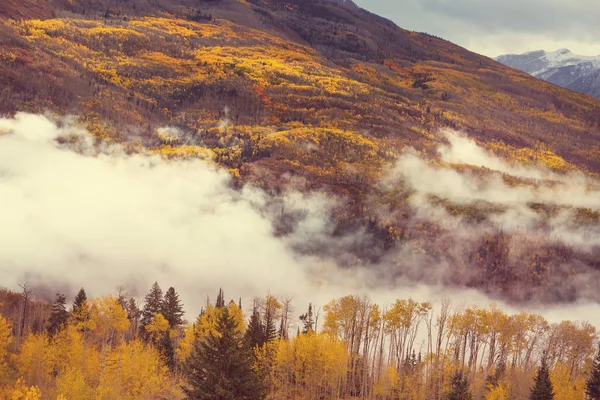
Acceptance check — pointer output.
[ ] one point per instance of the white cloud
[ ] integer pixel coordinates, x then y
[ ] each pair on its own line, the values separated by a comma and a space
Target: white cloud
98, 218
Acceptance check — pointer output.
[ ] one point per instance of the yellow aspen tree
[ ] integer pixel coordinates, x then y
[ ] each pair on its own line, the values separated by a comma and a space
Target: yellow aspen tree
566, 388
32, 361
311, 367
135, 370
5, 341
157, 327
498, 392
206, 323
110, 319
186, 344
72, 385
388, 384
22, 392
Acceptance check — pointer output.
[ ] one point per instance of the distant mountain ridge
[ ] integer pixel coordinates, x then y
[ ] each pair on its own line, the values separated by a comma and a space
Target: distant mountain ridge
561, 67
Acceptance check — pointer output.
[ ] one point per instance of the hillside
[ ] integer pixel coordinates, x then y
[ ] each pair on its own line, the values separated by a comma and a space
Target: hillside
561, 67
26, 9
328, 95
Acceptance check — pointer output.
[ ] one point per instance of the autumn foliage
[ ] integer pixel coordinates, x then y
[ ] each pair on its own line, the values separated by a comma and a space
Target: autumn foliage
407, 349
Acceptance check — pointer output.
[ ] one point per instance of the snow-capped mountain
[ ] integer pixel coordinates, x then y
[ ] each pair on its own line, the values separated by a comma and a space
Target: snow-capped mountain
561, 67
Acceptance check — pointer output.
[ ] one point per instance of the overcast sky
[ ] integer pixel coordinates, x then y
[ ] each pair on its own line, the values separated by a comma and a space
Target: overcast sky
494, 27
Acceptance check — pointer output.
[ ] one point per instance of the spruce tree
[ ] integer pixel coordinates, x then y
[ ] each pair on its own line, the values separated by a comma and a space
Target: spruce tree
80, 300
220, 303
255, 332
220, 366
308, 320
172, 309
269, 323
166, 348
133, 315
79, 311
152, 304
459, 387
542, 388
592, 389
59, 315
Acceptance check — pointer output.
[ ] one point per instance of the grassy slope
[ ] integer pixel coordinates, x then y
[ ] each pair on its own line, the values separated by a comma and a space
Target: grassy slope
316, 90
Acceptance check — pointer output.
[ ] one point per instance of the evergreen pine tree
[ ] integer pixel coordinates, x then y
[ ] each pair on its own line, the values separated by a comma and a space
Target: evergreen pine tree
220, 299
459, 387
80, 299
172, 309
255, 332
220, 366
133, 315
269, 322
308, 320
542, 388
165, 346
59, 315
492, 381
152, 304
79, 311
592, 389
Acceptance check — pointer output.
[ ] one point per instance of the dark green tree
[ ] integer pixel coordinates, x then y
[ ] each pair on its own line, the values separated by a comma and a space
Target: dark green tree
459, 387
79, 314
80, 299
166, 348
255, 332
308, 320
133, 315
492, 381
152, 305
269, 324
59, 315
220, 299
592, 389
220, 366
542, 387
172, 309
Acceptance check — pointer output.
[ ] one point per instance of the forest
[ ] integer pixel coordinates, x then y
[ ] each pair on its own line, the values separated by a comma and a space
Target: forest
350, 348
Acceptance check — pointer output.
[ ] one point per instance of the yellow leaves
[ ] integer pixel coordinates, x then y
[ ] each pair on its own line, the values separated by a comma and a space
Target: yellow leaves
186, 345
316, 362
540, 155
340, 315
184, 29
135, 370
68, 366
237, 314
42, 29
498, 392
185, 152
565, 387
32, 362
5, 340
405, 313
22, 392
206, 324
71, 384
157, 326
388, 383
108, 318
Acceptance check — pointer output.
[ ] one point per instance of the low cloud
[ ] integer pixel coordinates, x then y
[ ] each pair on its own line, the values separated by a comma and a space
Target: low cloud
77, 213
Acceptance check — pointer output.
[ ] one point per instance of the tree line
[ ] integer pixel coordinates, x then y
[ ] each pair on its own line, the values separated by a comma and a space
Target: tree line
114, 347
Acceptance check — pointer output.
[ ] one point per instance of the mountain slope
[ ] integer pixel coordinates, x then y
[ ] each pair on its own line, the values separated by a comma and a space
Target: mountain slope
26, 9
323, 96
562, 68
